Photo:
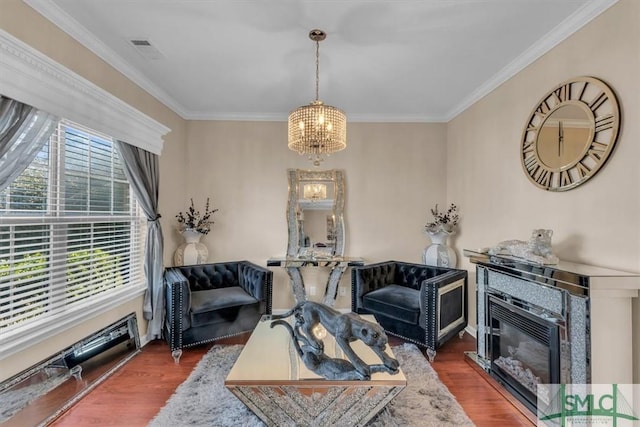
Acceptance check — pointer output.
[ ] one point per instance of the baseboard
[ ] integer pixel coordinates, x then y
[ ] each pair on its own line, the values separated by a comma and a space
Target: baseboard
146, 339
471, 330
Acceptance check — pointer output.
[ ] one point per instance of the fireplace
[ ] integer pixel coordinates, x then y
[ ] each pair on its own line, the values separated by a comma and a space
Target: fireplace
524, 348
536, 324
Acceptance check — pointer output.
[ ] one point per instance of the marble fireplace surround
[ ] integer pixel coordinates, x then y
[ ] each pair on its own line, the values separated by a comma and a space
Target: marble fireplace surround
592, 306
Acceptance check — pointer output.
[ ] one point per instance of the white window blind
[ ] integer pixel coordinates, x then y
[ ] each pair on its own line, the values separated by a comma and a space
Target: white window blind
71, 233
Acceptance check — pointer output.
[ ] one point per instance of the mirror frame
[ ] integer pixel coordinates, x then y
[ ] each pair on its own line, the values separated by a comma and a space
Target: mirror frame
295, 178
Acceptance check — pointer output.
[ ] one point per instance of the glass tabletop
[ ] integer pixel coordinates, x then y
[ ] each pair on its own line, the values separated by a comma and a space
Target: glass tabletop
269, 357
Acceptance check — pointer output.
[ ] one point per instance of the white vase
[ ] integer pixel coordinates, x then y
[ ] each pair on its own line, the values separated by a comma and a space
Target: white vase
191, 252
438, 253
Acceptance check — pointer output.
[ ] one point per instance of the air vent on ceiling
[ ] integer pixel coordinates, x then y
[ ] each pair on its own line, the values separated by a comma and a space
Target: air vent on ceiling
146, 48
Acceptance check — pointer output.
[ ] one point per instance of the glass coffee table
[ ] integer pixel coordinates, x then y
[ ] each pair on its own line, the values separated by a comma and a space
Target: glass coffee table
272, 381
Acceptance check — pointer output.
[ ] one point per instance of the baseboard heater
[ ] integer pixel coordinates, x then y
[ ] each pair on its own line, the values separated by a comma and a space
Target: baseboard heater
42, 393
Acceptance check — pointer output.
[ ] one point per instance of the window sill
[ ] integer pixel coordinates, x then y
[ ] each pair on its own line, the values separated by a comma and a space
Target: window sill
21, 339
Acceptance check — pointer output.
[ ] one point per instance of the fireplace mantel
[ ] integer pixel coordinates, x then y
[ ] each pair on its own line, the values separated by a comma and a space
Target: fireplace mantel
593, 305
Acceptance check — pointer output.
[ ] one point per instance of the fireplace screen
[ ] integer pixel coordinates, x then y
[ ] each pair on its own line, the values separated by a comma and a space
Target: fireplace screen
524, 349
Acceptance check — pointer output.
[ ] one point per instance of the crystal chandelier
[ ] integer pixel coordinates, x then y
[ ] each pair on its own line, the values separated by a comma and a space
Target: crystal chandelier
317, 129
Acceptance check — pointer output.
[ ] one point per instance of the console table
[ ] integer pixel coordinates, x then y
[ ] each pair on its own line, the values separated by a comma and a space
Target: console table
592, 306
338, 265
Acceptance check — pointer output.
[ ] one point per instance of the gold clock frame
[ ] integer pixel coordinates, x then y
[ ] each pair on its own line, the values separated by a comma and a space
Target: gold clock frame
596, 104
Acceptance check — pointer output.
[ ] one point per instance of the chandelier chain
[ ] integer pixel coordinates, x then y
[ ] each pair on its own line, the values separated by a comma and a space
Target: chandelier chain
317, 68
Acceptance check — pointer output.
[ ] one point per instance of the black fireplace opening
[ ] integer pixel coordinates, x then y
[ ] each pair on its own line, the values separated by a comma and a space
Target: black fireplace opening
524, 350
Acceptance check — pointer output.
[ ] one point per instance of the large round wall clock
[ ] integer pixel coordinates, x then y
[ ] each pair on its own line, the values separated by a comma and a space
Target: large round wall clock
570, 134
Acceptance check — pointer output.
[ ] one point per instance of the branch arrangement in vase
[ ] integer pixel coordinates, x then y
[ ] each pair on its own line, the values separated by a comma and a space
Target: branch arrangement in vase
193, 219
443, 221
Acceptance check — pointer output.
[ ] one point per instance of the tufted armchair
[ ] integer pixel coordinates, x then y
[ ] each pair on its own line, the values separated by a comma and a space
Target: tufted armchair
207, 302
420, 303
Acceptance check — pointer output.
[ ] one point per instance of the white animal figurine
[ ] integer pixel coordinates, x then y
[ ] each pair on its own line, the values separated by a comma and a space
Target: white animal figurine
537, 249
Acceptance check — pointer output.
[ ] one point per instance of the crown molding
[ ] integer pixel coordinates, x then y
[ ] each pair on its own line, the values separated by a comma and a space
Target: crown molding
29, 76
407, 118
351, 118
573, 23
577, 20
251, 117
66, 23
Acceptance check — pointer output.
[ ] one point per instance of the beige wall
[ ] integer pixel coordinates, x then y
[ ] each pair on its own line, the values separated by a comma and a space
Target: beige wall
22, 22
596, 223
394, 173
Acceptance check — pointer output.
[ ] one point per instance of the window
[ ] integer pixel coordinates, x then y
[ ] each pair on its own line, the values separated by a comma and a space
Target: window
71, 233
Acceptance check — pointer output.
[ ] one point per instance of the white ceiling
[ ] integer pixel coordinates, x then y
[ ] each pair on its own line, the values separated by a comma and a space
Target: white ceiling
383, 60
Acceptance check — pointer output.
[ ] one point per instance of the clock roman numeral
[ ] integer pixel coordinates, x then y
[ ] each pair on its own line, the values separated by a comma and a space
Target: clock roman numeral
565, 178
531, 164
597, 151
532, 128
528, 147
543, 178
598, 101
584, 88
604, 122
563, 93
582, 170
535, 128
542, 110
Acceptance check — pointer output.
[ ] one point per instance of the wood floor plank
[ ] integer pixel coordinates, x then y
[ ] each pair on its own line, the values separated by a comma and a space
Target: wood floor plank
136, 392
480, 400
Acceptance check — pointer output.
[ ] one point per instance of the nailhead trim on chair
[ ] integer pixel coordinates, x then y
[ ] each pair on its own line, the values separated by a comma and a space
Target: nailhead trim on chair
176, 294
216, 338
431, 297
418, 343
268, 284
179, 319
430, 340
172, 329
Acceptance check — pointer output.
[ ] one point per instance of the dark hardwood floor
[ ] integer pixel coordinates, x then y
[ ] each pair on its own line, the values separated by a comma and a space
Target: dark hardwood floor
136, 392
482, 402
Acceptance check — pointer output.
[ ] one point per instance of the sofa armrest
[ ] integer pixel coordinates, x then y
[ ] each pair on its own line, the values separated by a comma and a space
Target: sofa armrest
443, 280
257, 281
431, 291
178, 299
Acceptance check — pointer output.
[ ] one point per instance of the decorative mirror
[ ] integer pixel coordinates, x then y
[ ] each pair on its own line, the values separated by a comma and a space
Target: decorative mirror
570, 134
315, 213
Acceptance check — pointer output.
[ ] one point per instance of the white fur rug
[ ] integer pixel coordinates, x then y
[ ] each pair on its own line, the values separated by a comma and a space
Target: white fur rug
202, 400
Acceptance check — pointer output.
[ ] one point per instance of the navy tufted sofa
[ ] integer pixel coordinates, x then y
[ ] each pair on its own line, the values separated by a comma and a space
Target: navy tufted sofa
422, 304
207, 302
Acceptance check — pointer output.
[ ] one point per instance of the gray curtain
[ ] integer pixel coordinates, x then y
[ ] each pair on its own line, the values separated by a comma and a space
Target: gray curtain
23, 131
142, 170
